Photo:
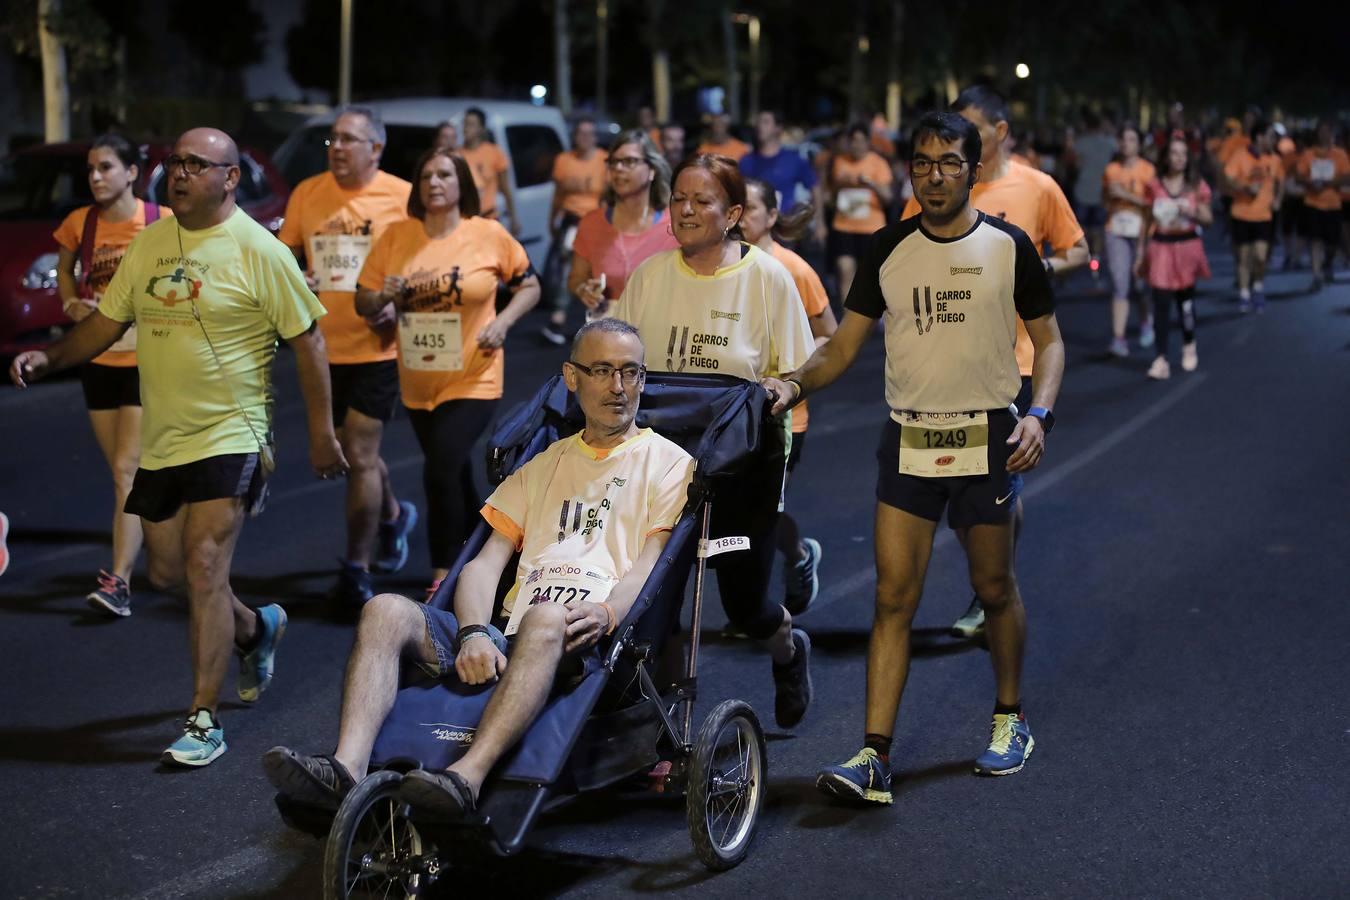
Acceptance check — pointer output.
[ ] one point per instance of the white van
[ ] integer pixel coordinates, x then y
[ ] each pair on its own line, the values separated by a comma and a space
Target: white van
530, 136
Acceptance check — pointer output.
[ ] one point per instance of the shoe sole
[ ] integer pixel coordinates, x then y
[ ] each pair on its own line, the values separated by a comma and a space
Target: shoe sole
380, 568
843, 789
101, 605
262, 685
1031, 745
168, 758
289, 776
963, 631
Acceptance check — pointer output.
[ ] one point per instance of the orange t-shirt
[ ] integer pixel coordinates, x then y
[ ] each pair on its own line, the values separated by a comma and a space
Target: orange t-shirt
456, 275
111, 240
320, 207
1329, 197
1134, 178
858, 209
579, 182
814, 298
489, 164
730, 147
1032, 201
1232, 145
1265, 171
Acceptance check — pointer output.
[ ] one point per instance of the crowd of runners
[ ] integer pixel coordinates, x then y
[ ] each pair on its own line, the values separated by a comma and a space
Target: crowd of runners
398, 290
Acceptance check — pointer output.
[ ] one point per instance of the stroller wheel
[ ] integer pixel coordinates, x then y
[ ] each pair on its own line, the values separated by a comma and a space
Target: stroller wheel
726, 785
374, 849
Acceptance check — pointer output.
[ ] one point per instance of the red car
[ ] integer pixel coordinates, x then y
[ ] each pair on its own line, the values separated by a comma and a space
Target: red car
40, 186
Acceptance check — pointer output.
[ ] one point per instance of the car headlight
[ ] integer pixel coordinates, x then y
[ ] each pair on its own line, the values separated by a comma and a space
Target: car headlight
42, 273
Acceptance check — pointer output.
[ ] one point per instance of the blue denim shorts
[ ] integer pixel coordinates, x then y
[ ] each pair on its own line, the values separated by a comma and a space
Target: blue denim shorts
442, 628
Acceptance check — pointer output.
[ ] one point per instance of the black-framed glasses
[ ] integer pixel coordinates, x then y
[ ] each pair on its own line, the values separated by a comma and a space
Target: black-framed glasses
949, 166
626, 162
193, 165
603, 372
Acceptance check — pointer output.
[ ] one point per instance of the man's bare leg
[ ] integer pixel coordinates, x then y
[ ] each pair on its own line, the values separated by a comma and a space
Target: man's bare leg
990, 552
164, 551
217, 620
367, 484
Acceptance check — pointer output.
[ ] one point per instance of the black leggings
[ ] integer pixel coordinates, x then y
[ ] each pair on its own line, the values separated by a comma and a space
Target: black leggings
1184, 300
447, 435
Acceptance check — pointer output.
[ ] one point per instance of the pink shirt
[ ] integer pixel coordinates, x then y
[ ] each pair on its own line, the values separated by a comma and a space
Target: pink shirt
615, 254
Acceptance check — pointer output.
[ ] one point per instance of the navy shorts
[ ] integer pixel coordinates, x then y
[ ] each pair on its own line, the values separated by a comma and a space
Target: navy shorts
443, 627
1245, 232
969, 499
110, 387
157, 494
369, 388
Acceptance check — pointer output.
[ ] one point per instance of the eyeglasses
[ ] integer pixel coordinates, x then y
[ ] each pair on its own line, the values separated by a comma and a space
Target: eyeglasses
194, 165
603, 372
949, 166
338, 139
626, 162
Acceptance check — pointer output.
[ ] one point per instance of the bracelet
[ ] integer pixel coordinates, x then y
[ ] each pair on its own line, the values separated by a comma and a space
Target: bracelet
800, 390
609, 613
469, 631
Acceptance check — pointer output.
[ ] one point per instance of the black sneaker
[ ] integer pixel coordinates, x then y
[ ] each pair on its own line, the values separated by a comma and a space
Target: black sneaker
353, 586
113, 595
319, 781
792, 683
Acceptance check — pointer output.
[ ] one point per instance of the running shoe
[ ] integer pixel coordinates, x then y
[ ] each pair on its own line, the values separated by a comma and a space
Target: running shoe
792, 683
319, 781
1244, 304
553, 334
393, 553
443, 794
971, 623
1189, 357
1259, 300
863, 778
203, 740
1146, 335
1160, 370
353, 586
1009, 746
1119, 348
1317, 284
733, 632
112, 595
801, 580
4, 545
255, 666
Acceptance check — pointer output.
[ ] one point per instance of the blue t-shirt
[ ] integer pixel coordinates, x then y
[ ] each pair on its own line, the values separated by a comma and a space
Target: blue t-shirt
785, 170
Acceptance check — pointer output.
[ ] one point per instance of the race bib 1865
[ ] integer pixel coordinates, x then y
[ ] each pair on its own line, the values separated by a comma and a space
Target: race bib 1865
430, 342
559, 583
337, 259
942, 445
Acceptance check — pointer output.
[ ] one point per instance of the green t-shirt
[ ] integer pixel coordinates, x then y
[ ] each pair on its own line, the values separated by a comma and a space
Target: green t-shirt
248, 290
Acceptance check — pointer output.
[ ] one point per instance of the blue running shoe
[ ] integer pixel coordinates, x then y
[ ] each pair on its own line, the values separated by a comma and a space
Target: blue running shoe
203, 740
255, 666
864, 777
1009, 746
802, 582
393, 551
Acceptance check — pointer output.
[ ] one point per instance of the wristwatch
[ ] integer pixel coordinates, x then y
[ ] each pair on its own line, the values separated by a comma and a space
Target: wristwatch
1046, 416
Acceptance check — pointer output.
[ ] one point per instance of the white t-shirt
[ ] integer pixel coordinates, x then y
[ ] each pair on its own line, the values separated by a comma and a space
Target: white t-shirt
745, 320
575, 507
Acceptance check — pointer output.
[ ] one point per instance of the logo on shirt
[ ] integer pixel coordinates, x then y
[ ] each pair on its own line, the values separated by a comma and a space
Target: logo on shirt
967, 270
691, 349
619, 482
718, 314
174, 289
925, 316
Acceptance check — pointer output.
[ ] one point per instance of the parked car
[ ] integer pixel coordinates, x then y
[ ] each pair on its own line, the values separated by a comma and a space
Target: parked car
530, 136
40, 186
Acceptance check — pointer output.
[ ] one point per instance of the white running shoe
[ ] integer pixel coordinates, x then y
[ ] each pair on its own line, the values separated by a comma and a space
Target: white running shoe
1160, 370
1189, 357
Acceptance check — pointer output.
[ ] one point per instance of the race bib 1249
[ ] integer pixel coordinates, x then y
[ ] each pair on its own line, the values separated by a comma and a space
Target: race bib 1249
942, 445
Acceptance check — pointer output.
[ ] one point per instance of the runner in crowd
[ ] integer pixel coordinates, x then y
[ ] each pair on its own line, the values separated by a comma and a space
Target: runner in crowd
631, 224
1291, 211
332, 221
721, 142
1324, 169
1093, 150
672, 144
790, 173
447, 136
489, 166
646, 123
762, 226
861, 184
720, 305
1171, 253
96, 237
210, 290
1256, 178
578, 181
440, 269
1236, 138
640, 477
1122, 189
948, 284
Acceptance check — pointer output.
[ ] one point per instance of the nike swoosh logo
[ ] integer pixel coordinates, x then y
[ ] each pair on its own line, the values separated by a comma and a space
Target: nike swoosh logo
1002, 500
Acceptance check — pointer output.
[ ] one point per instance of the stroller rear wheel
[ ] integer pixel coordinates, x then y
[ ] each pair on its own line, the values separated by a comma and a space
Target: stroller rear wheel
374, 849
726, 785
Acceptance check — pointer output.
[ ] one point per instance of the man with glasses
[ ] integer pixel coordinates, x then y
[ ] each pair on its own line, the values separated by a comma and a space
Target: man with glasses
210, 291
954, 282
332, 221
589, 517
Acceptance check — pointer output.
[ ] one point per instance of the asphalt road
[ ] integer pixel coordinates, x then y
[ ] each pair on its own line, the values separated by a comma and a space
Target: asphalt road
1184, 566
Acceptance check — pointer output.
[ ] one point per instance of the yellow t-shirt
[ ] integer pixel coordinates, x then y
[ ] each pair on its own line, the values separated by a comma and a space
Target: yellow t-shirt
573, 507
336, 229
248, 291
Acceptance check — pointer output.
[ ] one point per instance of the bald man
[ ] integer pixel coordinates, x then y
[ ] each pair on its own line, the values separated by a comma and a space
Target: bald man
210, 292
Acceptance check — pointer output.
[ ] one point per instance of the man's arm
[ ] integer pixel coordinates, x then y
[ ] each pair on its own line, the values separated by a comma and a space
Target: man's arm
478, 660
85, 341
504, 185
311, 364
825, 365
588, 622
1070, 259
1046, 374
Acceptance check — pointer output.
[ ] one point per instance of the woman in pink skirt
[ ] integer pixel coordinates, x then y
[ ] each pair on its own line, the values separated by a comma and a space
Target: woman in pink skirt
1171, 253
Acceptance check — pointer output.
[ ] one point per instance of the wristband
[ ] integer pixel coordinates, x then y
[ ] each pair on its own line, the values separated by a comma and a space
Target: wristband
469, 631
800, 390
609, 614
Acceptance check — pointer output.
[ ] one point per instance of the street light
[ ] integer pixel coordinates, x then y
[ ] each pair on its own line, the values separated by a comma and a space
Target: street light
537, 94
1022, 70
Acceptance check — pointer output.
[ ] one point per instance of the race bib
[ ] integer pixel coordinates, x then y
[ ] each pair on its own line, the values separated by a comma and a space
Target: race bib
430, 342
942, 445
1323, 170
1125, 223
337, 259
855, 203
1166, 211
559, 583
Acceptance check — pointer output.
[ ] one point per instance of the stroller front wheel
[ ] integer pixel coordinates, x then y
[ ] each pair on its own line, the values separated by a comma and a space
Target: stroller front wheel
726, 785
374, 849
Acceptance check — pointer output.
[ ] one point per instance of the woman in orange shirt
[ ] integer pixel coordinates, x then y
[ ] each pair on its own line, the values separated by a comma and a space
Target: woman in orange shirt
1123, 185
860, 182
96, 236
441, 268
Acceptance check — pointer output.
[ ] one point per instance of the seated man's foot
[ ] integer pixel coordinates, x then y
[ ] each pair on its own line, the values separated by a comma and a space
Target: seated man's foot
800, 577
1009, 746
864, 778
203, 740
445, 794
255, 665
392, 553
112, 596
971, 623
319, 781
353, 588
733, 632
792, 683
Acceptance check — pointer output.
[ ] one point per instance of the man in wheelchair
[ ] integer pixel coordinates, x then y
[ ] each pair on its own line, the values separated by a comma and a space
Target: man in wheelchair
589, 516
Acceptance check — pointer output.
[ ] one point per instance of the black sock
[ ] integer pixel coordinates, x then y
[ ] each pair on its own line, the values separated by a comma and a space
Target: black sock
250, 644
880, 743
1005, 709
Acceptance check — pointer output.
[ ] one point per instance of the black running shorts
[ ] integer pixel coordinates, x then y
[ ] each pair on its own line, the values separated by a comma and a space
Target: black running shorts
157, 494
369, 388
110, 387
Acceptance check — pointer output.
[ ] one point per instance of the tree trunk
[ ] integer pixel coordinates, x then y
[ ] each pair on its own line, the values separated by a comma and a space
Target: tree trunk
562, 58
55, 88
733, 75
661, 84
857, 63
893, 95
